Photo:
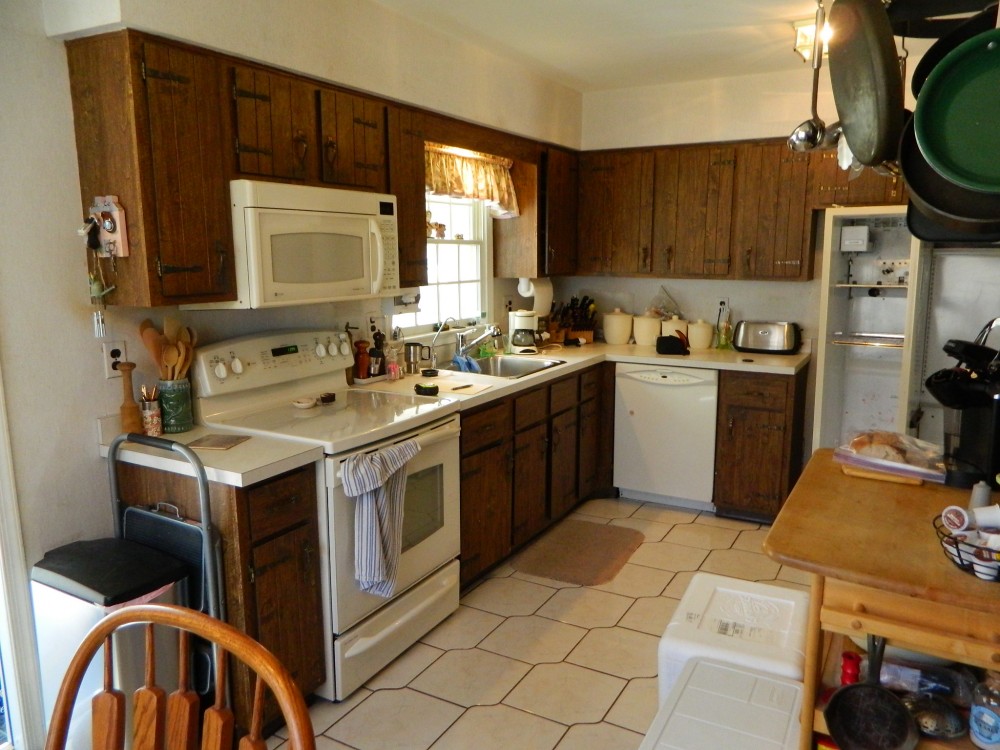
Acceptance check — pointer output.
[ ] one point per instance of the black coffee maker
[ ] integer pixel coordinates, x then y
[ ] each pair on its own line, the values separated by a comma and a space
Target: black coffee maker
972, 390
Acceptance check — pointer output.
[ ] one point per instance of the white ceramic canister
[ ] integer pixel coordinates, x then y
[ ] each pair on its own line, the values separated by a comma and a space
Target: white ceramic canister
700, 334
645, 328
617, 326
671, 326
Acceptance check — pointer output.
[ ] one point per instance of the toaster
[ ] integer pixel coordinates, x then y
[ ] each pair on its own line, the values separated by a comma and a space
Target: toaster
767, 338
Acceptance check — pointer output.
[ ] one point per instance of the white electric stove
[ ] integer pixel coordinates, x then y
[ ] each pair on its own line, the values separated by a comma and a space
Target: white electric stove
292, 385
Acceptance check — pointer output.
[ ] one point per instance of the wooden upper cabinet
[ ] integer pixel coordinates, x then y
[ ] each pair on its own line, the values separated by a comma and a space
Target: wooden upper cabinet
406, 137
829, 185
692, 210
561, 201
145, 134
516, 241
275, 124
616, 205
772, 226
352, 140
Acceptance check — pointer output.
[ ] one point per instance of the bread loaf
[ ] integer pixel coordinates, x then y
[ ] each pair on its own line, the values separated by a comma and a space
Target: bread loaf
880, 444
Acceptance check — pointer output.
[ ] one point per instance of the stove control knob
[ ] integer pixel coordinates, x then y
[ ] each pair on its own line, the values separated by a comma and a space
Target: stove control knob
236, 365
345, 348
320, 350
221, 371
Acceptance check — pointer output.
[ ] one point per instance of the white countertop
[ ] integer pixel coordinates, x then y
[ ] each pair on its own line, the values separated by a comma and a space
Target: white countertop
248, 463
581, 357
261, 458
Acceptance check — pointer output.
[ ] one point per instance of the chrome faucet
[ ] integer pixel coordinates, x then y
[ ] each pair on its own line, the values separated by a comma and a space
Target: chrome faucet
492, 331
434, 356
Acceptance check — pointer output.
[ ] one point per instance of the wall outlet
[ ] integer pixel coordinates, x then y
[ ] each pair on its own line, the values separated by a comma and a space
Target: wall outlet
113, 351
508, 303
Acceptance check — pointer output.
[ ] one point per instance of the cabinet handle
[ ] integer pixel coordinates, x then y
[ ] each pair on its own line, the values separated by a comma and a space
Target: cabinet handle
330, 150
307, 551
732, 424
746, 259
646, 265
220, 251
301, 146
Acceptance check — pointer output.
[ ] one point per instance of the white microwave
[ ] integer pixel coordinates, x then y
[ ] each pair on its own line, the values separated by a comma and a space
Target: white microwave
300, 245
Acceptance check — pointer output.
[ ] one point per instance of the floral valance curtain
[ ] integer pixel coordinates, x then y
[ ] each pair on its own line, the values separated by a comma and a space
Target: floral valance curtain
471, 174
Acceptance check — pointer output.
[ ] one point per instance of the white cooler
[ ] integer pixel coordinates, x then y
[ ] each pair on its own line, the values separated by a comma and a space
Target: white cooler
720, 706
735, 622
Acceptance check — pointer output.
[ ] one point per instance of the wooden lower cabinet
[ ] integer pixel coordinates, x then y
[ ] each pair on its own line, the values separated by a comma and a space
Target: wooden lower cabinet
527, 460
759, 442
270, 564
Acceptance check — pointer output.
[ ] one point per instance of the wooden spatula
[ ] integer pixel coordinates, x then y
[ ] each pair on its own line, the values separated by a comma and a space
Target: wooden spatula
149, 704
182, 704
107, 729
253, 741
217, 726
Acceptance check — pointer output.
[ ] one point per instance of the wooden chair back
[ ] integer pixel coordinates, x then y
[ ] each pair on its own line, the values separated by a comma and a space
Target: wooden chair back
171, 722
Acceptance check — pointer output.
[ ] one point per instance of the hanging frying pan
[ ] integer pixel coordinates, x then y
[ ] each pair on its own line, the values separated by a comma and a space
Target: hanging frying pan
866, 81
977, 24
958, 111
949, 205
929, 230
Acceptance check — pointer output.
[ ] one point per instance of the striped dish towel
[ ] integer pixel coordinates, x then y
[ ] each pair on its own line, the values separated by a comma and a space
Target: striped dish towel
378, 481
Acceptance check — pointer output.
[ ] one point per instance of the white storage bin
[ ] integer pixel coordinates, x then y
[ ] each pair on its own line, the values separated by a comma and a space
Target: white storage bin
737, 622
716, 705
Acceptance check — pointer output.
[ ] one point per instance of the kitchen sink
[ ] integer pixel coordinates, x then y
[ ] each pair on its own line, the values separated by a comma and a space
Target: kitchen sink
512, 367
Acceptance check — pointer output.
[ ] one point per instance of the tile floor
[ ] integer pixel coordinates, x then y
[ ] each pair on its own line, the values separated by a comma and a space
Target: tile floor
537, 664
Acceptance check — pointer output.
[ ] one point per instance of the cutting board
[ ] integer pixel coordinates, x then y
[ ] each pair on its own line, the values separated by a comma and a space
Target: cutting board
460, 388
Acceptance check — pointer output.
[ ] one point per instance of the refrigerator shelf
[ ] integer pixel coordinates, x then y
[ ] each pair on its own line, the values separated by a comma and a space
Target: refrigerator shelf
857, 338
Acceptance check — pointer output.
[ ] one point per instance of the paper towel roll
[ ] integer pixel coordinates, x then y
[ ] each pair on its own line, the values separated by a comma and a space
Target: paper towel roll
541, 290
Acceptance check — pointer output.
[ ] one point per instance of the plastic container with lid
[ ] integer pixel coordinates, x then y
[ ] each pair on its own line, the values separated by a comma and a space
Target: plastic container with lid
671, 326
617, 326
700, 334
645, 329
984, 721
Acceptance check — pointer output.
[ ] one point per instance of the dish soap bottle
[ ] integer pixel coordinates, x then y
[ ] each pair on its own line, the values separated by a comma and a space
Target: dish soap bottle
984, 721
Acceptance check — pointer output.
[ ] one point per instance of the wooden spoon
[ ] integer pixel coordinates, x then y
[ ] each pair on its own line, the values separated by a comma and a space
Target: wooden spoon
170, 357
151, 340
171, 327
183, 360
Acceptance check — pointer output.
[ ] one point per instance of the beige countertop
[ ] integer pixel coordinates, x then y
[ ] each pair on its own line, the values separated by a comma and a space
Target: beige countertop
261, 458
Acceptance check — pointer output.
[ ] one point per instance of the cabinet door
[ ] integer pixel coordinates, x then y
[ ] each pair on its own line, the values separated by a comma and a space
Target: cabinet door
589, 436
486, 510
615, 207
352, 140
561, 211
772, 219
275, 124
531, 462
692, 213
832, 186
563, 468
750, 461
406, 182
288, 605
190, 192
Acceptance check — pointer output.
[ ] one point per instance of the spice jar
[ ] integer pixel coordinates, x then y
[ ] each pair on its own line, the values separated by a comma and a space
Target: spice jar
361, 360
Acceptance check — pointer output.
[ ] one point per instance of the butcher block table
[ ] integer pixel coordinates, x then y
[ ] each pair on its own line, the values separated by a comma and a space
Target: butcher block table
877, 567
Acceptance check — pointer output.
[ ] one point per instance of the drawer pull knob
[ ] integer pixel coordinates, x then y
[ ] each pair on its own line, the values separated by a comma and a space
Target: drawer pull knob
856, 624
860, 608
995, 658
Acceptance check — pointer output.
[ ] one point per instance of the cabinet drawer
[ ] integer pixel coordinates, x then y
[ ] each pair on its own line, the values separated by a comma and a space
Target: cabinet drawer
531, 407
943, 630
564, 394
752, 389
282, 503
590, 384
486, 427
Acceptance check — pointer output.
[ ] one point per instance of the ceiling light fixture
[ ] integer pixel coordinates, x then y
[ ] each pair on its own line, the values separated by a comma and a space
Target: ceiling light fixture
805, 38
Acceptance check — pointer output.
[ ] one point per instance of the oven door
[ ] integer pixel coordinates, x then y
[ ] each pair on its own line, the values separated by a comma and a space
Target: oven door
431, 521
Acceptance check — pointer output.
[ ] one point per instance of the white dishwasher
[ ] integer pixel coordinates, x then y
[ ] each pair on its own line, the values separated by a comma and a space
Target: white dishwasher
665, 434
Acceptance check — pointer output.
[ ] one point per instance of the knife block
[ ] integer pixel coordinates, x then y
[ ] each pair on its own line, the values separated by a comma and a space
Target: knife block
131, 416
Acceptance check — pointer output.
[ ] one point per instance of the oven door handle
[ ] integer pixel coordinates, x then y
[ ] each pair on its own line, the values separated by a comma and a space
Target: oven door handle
451, 431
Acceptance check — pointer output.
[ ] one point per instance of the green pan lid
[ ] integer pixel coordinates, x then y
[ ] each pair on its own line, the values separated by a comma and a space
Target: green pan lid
958, 114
